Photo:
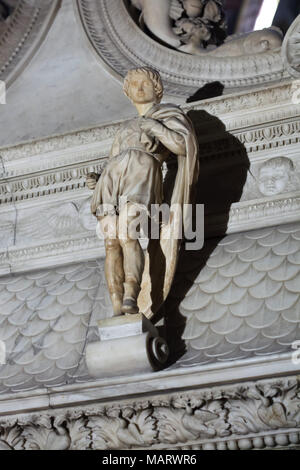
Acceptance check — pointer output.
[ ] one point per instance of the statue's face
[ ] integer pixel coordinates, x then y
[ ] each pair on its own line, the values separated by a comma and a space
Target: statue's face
193, 8
273, 180
141, 89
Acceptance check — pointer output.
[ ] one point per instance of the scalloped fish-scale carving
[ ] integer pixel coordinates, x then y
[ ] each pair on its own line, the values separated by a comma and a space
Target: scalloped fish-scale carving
284, 272
275, 348
229, 240
263, 318
205, 274
288, 339
249, 277
287, 228
46, 322
293, 284
248, 307
221, 350
269, 262
257, 311
242, 335
208, 340
292, 314
255, 253
265, 289
20, 285
227, 324
262, 233
6, 297
216, 284
231, 294
294, 258
29, 294
273, 239
58, 349
234, 269
220, 260
257, 344
194, 329
239, 245
282, 300
290, 247
197, 301
212, 312
296, 235
279, 329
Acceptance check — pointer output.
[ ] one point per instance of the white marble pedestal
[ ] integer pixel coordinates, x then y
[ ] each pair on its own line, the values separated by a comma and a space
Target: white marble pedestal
129, 344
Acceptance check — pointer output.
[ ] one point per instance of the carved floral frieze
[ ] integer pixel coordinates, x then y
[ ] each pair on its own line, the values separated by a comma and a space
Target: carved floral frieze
252, 415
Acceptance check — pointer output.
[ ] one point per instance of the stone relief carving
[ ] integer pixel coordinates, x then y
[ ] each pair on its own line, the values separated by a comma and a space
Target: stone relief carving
251, 415
194, 23
277, 175
46, 319
62, 174
244, 303
126, 46
200, 27
245, 299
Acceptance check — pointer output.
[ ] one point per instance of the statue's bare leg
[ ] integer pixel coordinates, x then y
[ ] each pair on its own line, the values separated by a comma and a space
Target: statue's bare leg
134, 259
114, 271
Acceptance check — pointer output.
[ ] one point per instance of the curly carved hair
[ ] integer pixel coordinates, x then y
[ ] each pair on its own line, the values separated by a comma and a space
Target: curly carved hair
152, 74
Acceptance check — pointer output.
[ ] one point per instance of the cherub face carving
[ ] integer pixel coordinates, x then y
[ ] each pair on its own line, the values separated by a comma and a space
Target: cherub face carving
274, 176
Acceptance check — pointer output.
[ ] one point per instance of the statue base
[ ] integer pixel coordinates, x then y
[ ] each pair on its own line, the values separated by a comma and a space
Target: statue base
129, 344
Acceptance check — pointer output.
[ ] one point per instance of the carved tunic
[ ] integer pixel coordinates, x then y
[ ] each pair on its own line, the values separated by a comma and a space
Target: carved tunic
133, 172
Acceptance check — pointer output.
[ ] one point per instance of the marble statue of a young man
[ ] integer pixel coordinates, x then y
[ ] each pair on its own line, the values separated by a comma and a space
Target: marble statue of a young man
134, 174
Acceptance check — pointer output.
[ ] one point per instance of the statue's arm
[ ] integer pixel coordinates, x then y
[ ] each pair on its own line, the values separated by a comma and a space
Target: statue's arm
92, 178
171, 139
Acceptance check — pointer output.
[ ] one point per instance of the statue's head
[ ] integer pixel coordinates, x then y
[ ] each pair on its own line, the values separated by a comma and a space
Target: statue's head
143, 85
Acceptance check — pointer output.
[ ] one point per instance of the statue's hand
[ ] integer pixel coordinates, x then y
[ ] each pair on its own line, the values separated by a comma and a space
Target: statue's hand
149, 126
91, 180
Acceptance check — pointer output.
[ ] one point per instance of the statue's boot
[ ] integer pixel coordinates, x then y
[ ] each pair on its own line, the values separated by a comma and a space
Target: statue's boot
114, 274
133, 268
131, 292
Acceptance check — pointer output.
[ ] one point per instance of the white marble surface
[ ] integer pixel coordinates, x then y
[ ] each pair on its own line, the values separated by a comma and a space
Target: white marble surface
244, 303
63, 88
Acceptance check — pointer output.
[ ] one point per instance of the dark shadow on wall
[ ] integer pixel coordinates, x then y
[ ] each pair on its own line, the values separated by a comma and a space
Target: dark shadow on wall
223, 172
210, 90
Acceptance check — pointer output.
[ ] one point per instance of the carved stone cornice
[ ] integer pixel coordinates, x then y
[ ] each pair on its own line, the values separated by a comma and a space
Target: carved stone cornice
121, 45
23, 33
51, 172
250, 415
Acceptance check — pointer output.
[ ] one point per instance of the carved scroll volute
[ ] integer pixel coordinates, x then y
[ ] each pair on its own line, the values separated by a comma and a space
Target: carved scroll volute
291, 49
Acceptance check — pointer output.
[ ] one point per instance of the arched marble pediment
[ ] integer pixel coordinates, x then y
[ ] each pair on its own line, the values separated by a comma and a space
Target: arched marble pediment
291, 49
22, 32
121, 45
